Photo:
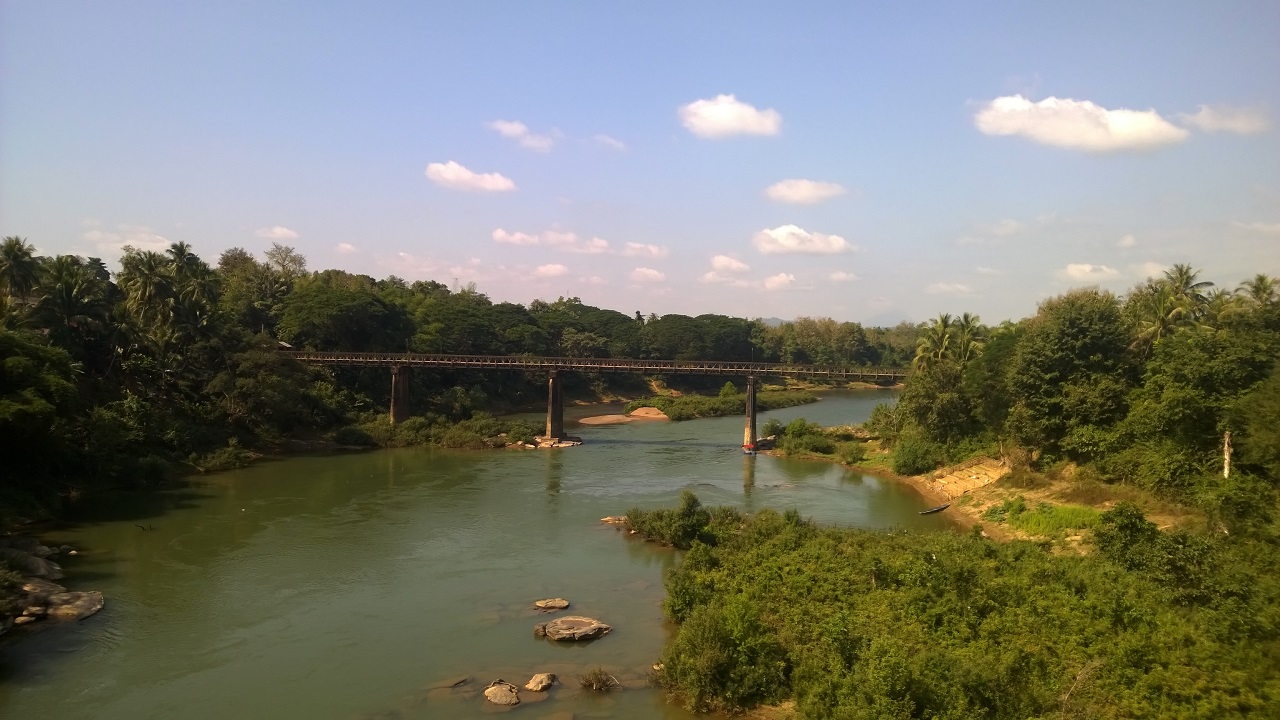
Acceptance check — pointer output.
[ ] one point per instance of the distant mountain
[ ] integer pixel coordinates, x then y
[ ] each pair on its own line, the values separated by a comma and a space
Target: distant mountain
772, 321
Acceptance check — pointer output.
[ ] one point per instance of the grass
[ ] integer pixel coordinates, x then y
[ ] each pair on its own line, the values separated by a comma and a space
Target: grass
597, 680
1046, 519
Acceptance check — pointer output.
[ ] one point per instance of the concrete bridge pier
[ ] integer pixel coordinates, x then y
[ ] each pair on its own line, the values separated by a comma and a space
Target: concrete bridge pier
400, 409
555, 408
749, 433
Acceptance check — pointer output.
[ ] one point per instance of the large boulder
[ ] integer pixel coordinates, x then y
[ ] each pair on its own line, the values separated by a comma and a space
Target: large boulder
540, 682
74, 605
501, 692
551, 604
27, 564
572, 627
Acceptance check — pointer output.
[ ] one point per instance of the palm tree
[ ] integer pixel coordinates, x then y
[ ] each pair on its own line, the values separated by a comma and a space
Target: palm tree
19, 268
1187, 288
1261, 290
146, 280
935, 343
73, 302
1220, 306
1162, 312
969, 340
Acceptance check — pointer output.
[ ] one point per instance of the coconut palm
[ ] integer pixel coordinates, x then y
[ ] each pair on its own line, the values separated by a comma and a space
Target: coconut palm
146, 278
1160, 312
970, 339
1187, 288
19, 269
1260, 290
73, 302
935, 343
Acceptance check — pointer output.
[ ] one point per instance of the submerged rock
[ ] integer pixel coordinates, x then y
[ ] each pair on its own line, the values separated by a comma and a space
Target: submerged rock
572, 627
540, 682
551, 604
74, 605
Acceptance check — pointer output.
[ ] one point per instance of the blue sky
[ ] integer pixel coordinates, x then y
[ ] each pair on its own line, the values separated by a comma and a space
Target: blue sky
754, 159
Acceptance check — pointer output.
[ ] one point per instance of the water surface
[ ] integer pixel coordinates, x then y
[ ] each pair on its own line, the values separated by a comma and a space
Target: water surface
348, 586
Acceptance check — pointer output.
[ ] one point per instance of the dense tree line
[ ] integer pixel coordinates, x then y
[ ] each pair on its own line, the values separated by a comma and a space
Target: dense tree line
1140, 389
171, 363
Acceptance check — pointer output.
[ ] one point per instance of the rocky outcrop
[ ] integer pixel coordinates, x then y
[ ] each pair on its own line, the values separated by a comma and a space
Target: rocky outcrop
40, 598
551, 604
501, 692
572, 627
74, 605
614, 520
30, 564
540, 682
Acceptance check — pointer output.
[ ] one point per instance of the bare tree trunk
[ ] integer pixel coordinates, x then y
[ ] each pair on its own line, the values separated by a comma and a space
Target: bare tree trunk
1226, 455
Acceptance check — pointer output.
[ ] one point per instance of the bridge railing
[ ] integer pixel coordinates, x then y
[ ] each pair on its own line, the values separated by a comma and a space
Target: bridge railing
529, 362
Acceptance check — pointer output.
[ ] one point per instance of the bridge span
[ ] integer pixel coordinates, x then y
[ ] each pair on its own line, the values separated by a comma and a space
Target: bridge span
401, 364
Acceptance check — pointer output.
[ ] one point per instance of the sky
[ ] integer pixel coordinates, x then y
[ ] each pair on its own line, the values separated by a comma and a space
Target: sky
872, 162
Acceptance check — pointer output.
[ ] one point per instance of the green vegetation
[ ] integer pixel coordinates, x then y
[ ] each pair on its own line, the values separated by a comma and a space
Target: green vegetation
682, 526
113, 381
10, 591
690, 407
1045, 520
860, 624
597, 680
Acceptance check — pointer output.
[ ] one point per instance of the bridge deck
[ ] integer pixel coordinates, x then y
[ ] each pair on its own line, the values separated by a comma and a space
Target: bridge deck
528, 362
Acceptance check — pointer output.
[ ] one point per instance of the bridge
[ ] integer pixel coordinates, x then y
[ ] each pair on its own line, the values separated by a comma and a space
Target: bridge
401, 365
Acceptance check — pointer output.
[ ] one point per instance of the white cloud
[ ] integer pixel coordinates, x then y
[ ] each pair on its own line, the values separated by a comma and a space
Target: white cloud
1086, 272
725, 115
516, 238
1077, 124
1260, 227
595, 280
803, 192
276, 232
982, 270
560, 239
842, 276
1150, 269
138, 237
453, 175
610, 142
345, 249
519, 132
947, 289
644, 250
1007, 227
1221, 118
551, 271
779, 281
724, 263
788, 239
649, 275
1127, 241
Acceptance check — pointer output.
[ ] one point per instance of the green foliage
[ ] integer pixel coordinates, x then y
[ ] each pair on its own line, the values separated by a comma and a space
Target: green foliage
1046, 519
915, 455
677, 528
852, 453
773, 427
729, 390
690, 407
860, 624
597, 680
354, 436
1257, 415
224, 458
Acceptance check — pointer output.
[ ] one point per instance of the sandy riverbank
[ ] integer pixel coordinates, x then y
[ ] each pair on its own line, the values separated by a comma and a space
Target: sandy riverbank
644, 413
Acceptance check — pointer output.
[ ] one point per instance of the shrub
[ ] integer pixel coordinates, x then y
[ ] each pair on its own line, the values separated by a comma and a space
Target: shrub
725, 658
225, 458
597, 680
728, 390
852, 453
354, 436
915, 456
773, 427
678, 527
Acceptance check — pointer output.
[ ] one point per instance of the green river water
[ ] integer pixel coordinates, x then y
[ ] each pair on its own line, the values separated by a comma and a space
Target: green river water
348, 586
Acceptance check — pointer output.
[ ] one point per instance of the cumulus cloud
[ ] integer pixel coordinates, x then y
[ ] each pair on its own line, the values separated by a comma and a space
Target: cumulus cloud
519, 132
842, 276
779, 281
788, 239
644, 250
276, 232
1007, 227
550, 271
1087, 272
1150, 269
725, 115
559, 239
803, 192
982, 270
610, 142
113, 243
942, 288
1260, 227
647, 275
345, 249
1221, 118
1077, 124
724, 263
455, 176
1127, 241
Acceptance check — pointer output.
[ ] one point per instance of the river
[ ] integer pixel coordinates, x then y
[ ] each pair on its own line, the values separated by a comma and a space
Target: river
348, 586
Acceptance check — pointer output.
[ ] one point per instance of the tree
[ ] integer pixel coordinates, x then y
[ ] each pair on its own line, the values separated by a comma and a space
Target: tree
19, 270
1187, 287
935, 343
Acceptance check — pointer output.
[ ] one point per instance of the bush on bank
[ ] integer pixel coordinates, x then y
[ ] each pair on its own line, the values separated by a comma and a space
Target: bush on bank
861, 624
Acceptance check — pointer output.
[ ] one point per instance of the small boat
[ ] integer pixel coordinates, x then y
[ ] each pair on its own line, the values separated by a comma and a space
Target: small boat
933, 510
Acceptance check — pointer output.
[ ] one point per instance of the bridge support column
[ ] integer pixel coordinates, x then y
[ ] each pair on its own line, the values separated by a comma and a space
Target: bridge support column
400, 393
555, 408
749, 433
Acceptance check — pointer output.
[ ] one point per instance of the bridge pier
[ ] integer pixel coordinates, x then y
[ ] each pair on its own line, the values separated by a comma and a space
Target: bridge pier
555, 408
749, 433
400, 409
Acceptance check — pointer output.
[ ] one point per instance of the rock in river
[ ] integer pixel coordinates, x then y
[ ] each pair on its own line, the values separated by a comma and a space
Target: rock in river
551, 604
501, 692
540, 682
572, 627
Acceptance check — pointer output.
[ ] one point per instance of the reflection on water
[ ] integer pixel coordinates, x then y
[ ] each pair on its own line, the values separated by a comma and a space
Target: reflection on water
353, 586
